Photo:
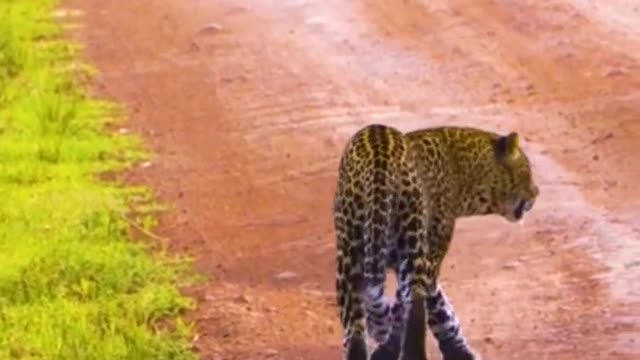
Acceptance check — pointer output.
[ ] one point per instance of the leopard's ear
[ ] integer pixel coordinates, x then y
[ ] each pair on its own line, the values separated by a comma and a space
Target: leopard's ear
506, 147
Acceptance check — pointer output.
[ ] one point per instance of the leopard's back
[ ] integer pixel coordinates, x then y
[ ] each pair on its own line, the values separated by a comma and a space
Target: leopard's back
375, 168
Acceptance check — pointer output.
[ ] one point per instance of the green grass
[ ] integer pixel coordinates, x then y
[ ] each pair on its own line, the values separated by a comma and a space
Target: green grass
72, 284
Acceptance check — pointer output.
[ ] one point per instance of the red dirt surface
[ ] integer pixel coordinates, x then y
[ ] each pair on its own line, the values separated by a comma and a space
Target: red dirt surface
248, 104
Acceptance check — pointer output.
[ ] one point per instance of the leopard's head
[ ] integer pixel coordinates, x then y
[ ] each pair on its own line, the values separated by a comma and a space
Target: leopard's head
513, 189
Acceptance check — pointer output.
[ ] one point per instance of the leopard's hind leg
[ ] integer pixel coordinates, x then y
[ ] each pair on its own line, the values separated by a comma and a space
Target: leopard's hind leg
362, 224
350, 302
415, 275
376, 232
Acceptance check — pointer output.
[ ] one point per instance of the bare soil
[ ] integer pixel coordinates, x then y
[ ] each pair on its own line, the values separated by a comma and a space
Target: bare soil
248, 104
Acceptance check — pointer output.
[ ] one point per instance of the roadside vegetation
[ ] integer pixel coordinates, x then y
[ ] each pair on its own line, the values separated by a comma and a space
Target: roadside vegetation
72, 283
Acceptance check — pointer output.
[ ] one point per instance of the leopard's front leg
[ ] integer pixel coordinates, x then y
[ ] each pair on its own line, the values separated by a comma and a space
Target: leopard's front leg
445, 326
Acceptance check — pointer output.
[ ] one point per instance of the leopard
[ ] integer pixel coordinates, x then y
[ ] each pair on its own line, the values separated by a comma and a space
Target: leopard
397, 199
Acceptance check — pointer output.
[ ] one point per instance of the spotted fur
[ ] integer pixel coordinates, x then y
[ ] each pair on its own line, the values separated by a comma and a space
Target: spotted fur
397, 199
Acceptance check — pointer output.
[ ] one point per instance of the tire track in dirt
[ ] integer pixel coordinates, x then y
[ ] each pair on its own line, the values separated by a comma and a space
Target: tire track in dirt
248, 117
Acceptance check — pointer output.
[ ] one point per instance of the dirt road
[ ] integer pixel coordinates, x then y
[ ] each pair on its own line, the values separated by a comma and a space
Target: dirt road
248, 104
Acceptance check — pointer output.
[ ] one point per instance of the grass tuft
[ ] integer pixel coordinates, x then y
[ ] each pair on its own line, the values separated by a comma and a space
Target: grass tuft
72, 284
